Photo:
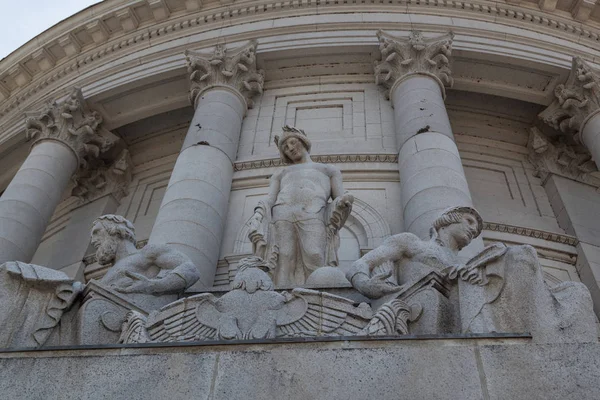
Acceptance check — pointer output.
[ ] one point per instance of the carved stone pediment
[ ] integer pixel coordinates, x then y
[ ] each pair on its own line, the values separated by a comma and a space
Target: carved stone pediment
575, 100
401, 57
232, 68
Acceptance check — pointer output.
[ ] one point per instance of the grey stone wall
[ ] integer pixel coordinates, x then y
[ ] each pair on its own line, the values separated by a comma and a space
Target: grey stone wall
508, 368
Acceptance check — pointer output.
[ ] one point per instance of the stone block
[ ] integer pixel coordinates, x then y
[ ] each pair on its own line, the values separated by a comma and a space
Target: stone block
559, 371
495, 368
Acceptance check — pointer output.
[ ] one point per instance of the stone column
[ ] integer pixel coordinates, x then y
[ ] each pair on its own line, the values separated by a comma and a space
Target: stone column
66, 137
575, 110
100, 192
416, 71
568, 178
192, 215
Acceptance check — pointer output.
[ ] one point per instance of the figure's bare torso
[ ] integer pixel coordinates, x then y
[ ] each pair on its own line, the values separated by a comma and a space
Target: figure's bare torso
304, 190
137, 263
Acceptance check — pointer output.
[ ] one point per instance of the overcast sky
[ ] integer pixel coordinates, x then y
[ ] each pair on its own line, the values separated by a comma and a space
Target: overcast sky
22, 20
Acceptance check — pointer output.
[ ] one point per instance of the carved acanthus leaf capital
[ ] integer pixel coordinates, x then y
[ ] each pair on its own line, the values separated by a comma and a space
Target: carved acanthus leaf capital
106, 178
232, 68
560, 159
575, 100
401, 57
73, 123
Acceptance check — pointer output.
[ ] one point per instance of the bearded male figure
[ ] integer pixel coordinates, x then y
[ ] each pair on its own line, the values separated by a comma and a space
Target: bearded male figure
296, 228
153, 270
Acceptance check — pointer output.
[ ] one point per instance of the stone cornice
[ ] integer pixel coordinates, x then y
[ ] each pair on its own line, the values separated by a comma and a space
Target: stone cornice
575, 100
560, 159
326, 159
49, 69
530, 232
74, 124
402, 57
231, 68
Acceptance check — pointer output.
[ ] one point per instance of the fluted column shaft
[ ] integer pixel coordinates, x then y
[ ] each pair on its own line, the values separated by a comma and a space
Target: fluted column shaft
31, 197
193, 212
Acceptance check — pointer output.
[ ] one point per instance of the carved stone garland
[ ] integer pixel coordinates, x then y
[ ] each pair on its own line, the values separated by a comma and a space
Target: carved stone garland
234, 68
401, 57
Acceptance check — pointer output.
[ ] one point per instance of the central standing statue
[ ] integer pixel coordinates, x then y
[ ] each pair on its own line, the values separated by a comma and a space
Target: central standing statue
296, 229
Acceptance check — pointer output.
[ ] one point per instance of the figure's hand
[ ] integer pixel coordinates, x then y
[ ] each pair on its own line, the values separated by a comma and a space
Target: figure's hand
376, 286
346, 200
475, 276
139, 284
454, 271
255, 221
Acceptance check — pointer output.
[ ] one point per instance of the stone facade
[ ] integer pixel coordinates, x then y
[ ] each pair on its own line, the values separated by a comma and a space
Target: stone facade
165, 116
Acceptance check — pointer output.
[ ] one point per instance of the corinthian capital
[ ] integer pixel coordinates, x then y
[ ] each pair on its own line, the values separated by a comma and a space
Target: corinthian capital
559, 158
109, 176
73, 123
575, 101
232, 68
401, 57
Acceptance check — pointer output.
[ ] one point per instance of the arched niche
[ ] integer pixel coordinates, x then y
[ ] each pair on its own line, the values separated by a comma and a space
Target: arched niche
364, 230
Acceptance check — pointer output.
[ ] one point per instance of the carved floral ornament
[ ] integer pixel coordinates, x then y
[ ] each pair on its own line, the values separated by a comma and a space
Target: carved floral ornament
107, 178
73, 123
401, 57
104, 164
232, 68
559, 158
575, 101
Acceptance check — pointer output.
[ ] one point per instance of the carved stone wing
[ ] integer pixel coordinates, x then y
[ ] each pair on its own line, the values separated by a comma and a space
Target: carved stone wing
189, 319
324, 315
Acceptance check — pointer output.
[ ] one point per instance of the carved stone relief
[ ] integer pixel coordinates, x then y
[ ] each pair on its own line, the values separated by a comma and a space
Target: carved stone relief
575, 100
74, 124
235, 68
254, 310
413, 55
32, 302
573, 162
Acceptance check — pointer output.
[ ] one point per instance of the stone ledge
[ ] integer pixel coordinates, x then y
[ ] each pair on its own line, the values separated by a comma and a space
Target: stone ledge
419, 368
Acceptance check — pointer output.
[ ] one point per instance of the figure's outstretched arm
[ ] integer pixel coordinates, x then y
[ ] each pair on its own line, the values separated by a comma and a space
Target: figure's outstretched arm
395, 248
181, 275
